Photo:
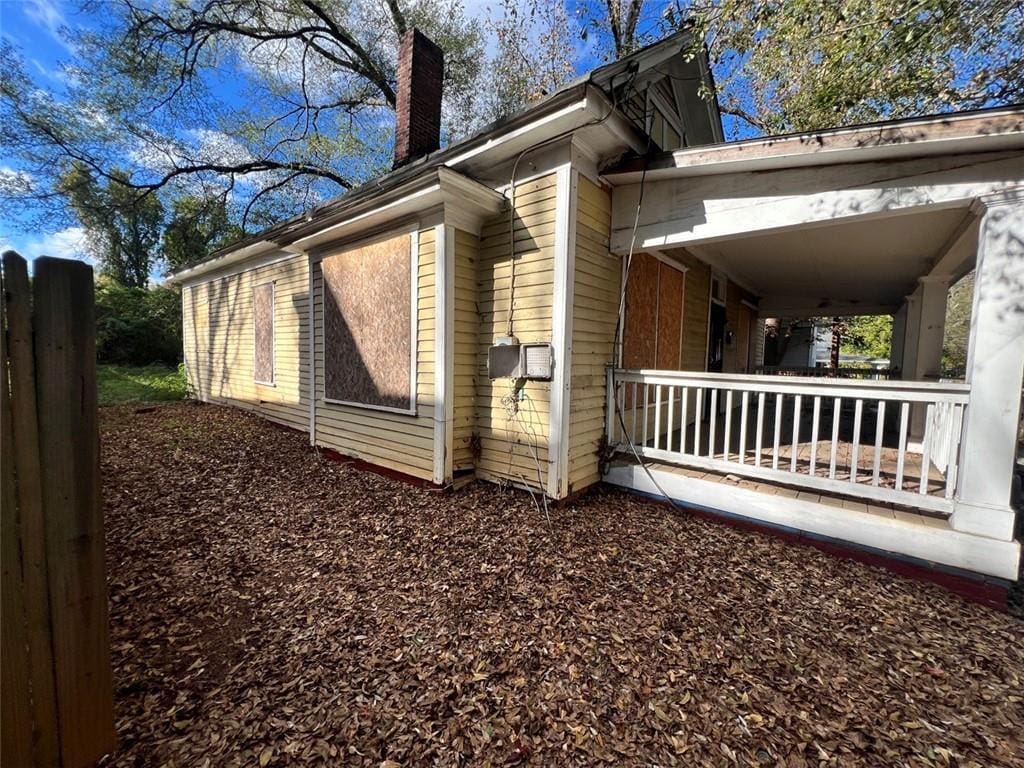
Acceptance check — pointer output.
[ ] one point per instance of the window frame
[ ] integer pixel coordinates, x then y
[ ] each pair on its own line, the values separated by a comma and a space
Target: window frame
414, 249
669, 118
273, 334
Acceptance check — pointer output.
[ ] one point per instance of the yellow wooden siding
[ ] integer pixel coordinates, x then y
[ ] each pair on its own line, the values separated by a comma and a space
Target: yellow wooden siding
401, 442
596, 281
218, 335
512, 448
696, 298
465, 348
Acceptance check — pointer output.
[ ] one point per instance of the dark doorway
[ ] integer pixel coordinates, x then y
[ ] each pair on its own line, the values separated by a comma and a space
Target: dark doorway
716, 338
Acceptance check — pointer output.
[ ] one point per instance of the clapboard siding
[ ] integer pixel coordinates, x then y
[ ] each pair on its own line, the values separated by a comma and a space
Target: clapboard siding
596, 281
401, 442
218, 335
465, 348
513, 448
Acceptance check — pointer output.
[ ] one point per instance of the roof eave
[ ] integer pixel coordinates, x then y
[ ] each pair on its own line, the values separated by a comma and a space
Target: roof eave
982, 131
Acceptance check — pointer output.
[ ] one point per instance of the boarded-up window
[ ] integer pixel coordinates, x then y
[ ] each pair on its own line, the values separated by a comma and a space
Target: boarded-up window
263, 331
654, 314
367, 325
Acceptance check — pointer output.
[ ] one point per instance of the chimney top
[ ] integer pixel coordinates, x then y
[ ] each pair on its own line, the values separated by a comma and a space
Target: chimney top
418, 97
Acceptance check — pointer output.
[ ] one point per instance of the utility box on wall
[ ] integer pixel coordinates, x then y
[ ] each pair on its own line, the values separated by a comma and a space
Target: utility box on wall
509, 359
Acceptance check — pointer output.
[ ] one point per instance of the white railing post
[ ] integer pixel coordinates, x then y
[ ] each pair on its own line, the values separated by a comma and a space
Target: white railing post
610, 403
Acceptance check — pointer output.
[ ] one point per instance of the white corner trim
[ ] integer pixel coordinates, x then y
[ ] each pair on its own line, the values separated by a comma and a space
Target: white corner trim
444, 358
312, 352
567, 181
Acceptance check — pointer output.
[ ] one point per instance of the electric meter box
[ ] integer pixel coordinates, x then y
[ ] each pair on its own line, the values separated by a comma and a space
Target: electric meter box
509, 359
537, 361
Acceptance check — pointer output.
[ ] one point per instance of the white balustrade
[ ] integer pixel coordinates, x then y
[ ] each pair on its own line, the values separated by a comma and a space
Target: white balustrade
846, 437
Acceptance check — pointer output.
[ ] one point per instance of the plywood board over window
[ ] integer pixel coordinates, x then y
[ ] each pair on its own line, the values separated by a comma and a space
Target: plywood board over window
368, 334
263, 333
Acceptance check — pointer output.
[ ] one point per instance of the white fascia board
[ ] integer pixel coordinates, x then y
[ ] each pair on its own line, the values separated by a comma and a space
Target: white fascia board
222, 269
190, 275
847, 145
449, 189
527, 135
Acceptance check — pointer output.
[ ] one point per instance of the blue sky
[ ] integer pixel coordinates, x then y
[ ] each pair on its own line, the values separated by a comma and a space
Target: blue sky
34, 26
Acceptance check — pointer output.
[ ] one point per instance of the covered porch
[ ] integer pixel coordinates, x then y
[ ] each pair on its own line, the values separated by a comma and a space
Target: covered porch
912, 462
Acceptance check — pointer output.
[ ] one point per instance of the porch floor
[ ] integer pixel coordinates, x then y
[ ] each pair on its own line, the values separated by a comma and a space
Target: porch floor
888, 458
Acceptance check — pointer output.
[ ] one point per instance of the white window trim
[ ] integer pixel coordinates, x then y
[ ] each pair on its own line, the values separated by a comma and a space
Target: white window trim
273, 334
413, 323
668, 113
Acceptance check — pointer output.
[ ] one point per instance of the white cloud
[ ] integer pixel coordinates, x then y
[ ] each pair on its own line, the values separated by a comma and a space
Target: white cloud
68, 243
49, 15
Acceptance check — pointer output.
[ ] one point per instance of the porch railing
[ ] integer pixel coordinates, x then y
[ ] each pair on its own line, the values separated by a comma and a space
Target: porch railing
837, 436
842, 372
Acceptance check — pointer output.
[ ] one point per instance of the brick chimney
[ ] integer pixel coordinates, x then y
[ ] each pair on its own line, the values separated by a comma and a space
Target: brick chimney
418, 97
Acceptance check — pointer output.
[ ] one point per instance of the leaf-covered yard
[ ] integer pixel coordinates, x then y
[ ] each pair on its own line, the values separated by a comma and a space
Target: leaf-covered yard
270, 607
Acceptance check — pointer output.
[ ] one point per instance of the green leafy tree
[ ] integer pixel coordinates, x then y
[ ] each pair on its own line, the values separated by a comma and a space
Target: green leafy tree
286, 103
137, 326
869, 335
198, 227
785, 65
122, 224
791, 65
958, 325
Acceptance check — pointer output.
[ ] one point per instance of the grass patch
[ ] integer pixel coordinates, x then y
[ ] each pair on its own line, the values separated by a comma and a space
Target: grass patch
121, 384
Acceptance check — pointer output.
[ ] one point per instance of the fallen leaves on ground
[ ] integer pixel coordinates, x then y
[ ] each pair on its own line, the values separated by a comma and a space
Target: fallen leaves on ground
271, 607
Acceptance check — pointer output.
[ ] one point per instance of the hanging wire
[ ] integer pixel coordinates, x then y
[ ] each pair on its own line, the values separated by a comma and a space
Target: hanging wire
620, 331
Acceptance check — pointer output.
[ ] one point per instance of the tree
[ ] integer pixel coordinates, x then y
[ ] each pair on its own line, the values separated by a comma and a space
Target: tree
534, 46
286, 100
198, 227
958, 326
137, 326
793, 65
869, 335
123, 226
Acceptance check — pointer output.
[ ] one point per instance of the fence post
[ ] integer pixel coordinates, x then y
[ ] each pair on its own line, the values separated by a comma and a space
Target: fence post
65, 361
30, 503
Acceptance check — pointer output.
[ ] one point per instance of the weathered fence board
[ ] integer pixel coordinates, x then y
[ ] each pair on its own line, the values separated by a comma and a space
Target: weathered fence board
15, 703
53, 521
30, 502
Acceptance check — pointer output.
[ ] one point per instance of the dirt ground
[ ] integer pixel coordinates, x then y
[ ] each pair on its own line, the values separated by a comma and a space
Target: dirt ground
270, 607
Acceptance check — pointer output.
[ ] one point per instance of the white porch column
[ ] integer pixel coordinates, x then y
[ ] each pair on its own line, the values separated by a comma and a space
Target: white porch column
995, 363
898, 341
911, 325
931, 294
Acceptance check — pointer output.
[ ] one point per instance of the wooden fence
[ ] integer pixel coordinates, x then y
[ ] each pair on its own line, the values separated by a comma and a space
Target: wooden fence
57, 703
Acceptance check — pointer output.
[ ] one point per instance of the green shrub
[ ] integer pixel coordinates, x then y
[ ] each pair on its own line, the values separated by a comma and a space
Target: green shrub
137, 326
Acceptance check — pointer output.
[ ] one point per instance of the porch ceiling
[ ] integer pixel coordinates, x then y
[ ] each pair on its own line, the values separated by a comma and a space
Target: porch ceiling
870, 264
